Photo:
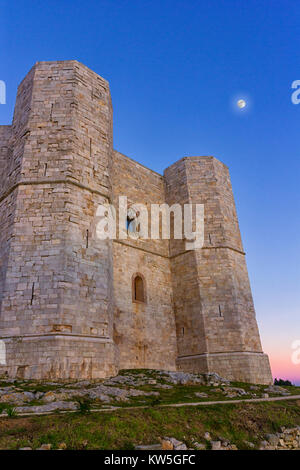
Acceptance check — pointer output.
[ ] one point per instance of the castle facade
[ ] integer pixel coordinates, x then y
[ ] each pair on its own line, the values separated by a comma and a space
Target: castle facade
73, 306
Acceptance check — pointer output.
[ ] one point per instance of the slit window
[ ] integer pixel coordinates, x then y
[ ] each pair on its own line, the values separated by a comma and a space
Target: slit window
138, 289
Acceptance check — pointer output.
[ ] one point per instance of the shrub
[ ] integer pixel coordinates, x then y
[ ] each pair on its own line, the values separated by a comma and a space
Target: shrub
84, 405
11, 411
282, 382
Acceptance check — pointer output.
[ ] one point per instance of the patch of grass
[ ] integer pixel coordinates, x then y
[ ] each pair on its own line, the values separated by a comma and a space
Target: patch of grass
84, 405
11, 411
123, 429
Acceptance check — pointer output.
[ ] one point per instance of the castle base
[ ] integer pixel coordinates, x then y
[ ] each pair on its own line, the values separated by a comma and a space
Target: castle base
58, 357
235, 366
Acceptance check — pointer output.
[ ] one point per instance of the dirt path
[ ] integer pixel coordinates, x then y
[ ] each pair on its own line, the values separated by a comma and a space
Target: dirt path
174, 405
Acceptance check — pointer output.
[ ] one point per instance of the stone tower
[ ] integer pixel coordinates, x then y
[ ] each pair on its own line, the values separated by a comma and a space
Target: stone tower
67, 302
213, 305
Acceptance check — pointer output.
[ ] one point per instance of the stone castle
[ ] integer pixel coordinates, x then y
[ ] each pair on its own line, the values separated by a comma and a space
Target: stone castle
73, 306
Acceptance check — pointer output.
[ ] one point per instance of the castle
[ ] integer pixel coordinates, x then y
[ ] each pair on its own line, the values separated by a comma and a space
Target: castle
74, 306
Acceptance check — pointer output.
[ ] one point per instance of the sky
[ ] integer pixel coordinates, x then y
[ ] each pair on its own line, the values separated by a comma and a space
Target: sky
176, 69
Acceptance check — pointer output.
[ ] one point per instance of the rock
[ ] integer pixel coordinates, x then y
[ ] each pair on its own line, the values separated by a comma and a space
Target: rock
29, 396
166, 444
17, 397
149, 447
273, 439
263, 445
201, 394
234, 391
224, 442
62, 446
170, 443
277, 389
213, 378
182, 378
49, 397
207, 436
81, 384
199, 446
45, 447
249, 444
164, 386
181, 447
233, 447
265, 395
25, 448
215, 445
57, 405
105, 393
6, 390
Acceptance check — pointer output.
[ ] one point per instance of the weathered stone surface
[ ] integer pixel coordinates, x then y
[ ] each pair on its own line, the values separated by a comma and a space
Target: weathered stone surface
277, 389
216, 445
201, 394
286, 439
17, 397
232, 392
45, 447
149, 447
170, 443
199, 446
57, 405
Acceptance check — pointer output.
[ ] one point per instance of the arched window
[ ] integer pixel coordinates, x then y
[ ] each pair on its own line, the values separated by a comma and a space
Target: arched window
138, 288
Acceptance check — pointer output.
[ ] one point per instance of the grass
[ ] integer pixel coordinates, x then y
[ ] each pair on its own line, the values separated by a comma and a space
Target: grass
123, 429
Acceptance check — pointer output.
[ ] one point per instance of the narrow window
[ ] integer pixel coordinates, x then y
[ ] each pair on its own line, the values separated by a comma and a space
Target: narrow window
220, 311
138, 289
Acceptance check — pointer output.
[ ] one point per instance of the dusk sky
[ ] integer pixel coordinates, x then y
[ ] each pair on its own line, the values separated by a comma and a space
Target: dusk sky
176, 69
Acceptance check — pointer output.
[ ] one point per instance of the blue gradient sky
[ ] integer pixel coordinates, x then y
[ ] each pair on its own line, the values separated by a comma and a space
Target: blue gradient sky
174, 68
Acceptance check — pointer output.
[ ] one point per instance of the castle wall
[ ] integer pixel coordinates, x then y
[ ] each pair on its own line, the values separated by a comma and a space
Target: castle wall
214, 309
144, 332
6, 207
58, 279
66, 297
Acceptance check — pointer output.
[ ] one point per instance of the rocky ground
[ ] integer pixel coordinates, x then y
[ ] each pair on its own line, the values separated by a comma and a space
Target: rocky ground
56, 415
286, 439
130, 388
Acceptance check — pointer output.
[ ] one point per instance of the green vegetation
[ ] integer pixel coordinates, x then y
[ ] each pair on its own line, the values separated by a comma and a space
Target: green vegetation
123, 429
84, 405
11, 411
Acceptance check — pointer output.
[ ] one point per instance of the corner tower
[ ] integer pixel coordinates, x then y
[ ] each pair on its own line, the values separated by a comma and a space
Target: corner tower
215, 318
56, 289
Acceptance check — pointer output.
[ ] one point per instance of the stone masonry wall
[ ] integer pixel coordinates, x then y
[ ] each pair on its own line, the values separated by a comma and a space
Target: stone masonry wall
214, 309
144, 332
59, 279
66, 297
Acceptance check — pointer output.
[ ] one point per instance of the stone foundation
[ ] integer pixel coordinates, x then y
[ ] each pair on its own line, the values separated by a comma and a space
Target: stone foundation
235, 366
59, 357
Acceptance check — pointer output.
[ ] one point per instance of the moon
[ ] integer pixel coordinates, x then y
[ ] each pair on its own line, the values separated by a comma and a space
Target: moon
241, 104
